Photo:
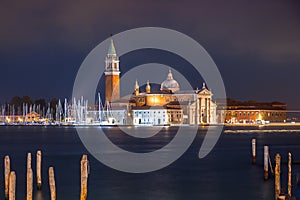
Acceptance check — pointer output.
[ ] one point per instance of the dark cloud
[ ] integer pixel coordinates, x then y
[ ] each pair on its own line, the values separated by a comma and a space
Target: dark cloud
269, 29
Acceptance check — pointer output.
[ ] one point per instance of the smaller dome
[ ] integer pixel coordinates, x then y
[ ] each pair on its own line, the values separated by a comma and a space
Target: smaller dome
170, 83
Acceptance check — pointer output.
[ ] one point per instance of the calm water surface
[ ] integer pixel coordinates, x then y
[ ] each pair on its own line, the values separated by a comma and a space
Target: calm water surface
226, 173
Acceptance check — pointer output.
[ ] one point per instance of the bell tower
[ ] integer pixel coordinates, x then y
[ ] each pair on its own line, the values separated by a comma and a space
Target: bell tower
136, 88
112, 74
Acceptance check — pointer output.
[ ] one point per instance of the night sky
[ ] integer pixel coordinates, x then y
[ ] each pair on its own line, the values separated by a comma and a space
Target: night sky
255, 44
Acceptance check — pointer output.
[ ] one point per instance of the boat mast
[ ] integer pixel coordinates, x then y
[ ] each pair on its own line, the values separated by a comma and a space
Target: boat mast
100, 109
86, 111
26, 112
59, 110
13, 113
66, 109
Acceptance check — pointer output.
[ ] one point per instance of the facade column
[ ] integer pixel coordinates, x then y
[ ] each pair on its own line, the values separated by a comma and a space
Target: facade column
196, 110
199, 111
208, 110
205, 110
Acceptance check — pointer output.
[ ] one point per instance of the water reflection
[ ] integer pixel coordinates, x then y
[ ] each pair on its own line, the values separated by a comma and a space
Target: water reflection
38, 195
267, 189
263, 131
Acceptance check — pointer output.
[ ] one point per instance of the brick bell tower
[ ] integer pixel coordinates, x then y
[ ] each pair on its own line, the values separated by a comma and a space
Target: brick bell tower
112, 74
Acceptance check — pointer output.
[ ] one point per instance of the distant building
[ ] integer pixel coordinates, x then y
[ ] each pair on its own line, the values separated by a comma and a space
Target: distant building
119, 115
156, 116
252, 112
32, 117
11, 119
28, 118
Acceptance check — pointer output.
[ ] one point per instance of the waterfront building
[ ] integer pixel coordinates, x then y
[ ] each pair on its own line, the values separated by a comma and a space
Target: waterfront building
12, 119
156, 115
116, 116
252, 112
28, 118
32, 117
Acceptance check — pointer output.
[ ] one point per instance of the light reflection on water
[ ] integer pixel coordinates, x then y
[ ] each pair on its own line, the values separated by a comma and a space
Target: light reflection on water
263, 131
39, 195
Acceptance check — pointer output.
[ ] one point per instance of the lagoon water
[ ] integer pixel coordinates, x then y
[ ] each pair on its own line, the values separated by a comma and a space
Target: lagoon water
226, 173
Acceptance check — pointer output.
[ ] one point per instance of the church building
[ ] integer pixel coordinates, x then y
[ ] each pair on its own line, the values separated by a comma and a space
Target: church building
167, 106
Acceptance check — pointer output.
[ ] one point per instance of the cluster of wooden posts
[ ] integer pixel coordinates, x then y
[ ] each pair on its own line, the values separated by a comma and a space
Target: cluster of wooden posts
279, 194
10, 178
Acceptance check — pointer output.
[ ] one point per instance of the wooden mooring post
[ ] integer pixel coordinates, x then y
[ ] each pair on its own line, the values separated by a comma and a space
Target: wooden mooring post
84, 177
266, 162
39, 169
28, 160
29, 178
29, 184
6, 174
277, 176
12, 186
254, 151
289, 175
52, 183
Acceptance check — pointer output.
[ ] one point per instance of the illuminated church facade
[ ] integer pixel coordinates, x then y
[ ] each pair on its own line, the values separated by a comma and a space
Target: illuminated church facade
167, 106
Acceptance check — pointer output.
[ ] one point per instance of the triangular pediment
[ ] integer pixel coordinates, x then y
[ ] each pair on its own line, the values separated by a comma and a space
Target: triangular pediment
33, 114
205, 92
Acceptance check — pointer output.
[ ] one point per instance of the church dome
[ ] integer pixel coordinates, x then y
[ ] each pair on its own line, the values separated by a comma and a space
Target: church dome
170, 83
